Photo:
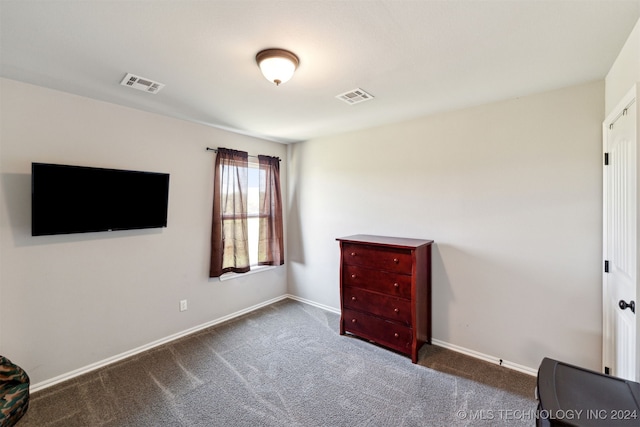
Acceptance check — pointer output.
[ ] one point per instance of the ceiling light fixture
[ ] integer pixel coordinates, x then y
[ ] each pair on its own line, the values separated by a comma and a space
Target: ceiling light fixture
277, 65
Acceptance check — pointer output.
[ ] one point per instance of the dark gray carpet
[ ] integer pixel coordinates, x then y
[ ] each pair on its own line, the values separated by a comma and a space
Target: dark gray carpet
286, 365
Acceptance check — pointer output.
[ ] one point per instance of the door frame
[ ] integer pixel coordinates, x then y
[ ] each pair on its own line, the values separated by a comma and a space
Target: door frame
608, 355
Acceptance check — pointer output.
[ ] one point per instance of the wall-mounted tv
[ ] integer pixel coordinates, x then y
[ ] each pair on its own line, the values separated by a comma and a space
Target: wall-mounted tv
78, 199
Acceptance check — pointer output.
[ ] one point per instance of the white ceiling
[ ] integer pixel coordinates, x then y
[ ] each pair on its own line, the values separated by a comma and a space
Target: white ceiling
415, 57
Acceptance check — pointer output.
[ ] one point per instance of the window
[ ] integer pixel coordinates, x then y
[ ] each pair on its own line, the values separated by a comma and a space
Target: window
247, 213
253, 212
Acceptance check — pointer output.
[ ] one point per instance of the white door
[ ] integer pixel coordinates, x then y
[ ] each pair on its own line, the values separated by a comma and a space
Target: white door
620, 242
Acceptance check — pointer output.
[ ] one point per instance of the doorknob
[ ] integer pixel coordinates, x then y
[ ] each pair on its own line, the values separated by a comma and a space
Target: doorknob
623, 304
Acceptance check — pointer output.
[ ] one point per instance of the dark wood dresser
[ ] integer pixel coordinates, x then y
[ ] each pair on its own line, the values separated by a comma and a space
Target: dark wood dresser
385, 291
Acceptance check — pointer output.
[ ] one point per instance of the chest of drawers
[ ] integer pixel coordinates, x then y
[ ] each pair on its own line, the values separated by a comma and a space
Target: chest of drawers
385, 291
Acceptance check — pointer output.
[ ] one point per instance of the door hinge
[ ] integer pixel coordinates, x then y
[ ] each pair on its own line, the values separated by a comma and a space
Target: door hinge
606, 159
606, 266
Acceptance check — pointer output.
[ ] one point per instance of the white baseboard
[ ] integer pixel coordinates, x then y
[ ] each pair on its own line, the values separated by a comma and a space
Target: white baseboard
486, 357
456, 348
313, 303
86, 369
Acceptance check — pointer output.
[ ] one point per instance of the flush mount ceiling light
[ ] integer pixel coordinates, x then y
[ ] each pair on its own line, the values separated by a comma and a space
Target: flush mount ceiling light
277, 65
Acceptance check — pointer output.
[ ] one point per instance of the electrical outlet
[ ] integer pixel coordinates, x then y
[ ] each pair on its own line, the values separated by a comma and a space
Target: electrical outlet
183, 305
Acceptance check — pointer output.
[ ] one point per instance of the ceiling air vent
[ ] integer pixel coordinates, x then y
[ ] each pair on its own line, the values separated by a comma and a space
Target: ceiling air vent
355, 96
141, 83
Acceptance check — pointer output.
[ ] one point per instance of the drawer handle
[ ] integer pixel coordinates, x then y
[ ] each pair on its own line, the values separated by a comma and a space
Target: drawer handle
396, 260
353, 298
395, 335
354, 320
395, 285
353, 254
396, 310
353, 276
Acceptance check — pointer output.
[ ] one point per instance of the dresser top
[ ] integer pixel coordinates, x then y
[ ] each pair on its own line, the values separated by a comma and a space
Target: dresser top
400, 242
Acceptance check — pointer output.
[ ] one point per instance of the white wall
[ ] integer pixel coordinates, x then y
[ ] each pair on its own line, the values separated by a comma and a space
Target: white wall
511, 194
71, 301
625, 71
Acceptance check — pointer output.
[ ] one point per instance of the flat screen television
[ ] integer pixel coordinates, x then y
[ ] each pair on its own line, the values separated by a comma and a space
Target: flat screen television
69, 199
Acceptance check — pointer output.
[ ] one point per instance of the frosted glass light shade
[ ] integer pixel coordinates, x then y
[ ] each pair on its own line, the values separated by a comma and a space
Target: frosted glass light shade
277, 65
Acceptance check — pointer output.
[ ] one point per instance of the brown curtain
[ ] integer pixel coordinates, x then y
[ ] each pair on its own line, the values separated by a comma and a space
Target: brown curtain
270, 243
229, 231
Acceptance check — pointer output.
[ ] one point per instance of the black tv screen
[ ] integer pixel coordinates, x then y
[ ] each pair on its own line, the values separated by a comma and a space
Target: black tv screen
77, 199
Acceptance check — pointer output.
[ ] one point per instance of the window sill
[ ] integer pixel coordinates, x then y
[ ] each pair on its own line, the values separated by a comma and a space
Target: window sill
254, 270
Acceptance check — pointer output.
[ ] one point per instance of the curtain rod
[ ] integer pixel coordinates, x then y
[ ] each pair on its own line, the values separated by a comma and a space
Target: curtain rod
216, 150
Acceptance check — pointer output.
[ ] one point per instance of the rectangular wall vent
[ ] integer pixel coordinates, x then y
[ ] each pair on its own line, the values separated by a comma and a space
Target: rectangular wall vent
141, 83
355, 96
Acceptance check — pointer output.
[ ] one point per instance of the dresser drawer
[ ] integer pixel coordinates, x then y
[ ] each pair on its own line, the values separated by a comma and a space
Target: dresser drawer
381, 258
383, 332
394, 284
391, 308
